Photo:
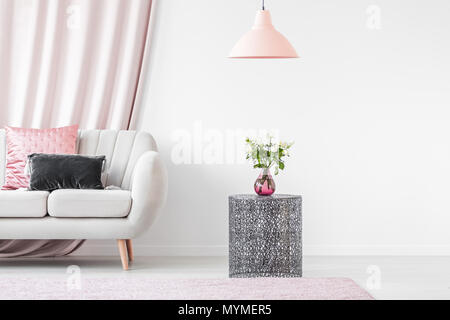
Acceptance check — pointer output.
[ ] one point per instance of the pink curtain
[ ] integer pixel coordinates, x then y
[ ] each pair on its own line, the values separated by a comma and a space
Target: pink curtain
69, 62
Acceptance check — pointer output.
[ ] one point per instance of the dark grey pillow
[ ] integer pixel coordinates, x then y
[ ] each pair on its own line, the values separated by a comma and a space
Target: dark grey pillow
65, 171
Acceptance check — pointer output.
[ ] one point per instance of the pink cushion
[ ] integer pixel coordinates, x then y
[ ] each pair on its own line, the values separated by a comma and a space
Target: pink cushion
21, 142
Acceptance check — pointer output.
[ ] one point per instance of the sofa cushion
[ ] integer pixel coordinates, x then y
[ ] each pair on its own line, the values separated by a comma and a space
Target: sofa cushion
89, 203
21, 142
19, 204
65, 171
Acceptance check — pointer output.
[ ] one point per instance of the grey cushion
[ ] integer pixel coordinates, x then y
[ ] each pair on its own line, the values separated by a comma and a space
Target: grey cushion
65, 171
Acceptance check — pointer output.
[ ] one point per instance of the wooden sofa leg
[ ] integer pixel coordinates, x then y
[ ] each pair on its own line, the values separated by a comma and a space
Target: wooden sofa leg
123, 253
130, 250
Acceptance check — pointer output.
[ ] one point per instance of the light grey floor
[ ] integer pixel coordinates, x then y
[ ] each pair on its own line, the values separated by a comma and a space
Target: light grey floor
383, 277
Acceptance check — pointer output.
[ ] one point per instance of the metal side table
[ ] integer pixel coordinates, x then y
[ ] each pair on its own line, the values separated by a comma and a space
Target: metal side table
265, 235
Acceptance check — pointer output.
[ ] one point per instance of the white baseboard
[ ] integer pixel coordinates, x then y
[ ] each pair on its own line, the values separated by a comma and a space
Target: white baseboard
152, 251
310, 250
377, 250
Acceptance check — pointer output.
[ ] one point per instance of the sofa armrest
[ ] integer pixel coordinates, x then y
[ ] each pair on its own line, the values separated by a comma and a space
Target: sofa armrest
148, 191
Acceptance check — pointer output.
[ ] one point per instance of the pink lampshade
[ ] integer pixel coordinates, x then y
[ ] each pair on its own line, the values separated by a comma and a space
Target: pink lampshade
263, 41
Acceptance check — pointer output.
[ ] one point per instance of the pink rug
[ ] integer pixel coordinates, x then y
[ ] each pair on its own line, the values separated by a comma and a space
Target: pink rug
176, 289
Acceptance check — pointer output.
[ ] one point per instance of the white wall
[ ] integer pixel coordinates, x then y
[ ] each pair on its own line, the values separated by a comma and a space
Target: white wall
368, 110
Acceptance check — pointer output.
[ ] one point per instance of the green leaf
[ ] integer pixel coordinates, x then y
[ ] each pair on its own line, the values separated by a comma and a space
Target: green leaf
280, 153
281, 165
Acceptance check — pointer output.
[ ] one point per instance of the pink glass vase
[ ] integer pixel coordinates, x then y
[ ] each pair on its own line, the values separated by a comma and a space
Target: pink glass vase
265, 185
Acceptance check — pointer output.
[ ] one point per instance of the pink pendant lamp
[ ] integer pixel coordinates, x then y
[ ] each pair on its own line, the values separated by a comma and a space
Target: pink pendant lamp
263, 41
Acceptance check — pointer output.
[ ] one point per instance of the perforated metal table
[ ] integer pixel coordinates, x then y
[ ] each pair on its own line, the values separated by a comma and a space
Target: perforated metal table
265, 236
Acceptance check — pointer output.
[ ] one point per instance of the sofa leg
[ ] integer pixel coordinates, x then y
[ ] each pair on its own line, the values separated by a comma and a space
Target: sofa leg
130, 250
123, 253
